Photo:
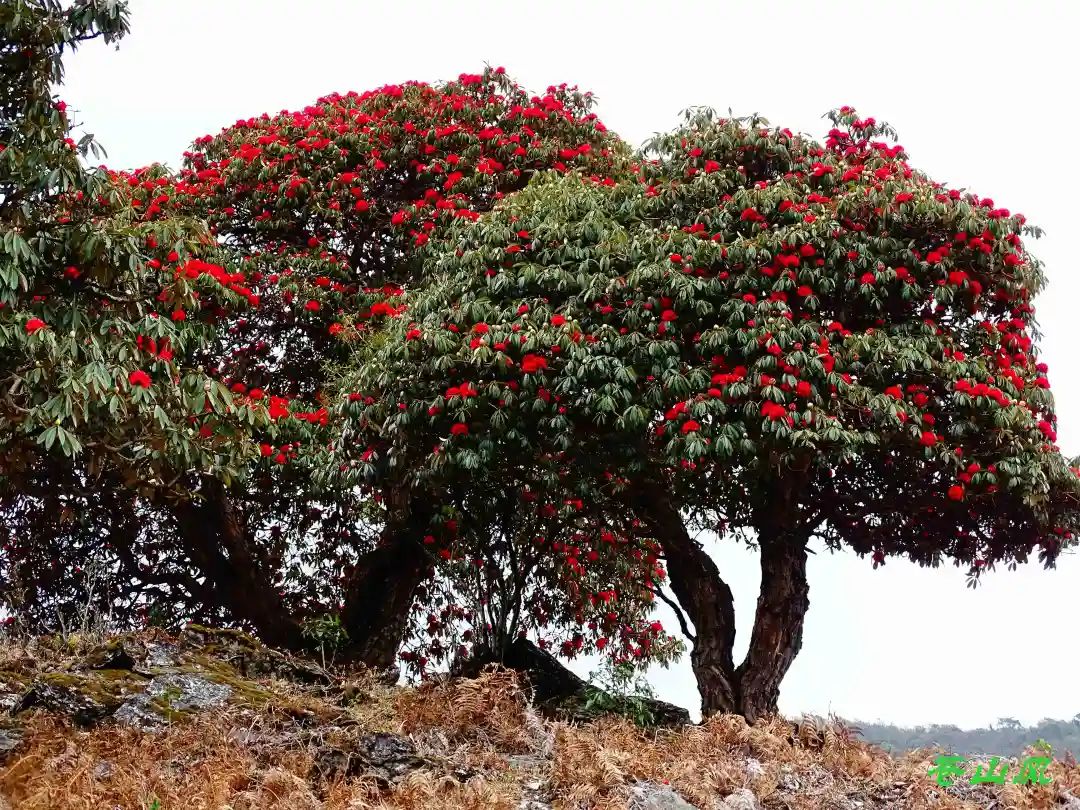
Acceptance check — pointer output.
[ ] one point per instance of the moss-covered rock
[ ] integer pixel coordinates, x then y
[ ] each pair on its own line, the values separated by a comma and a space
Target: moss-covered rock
172, 697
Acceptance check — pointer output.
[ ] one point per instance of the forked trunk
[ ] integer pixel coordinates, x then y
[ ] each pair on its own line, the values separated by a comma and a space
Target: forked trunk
753, 688
381, 589
704, 596
378, 594
778, 623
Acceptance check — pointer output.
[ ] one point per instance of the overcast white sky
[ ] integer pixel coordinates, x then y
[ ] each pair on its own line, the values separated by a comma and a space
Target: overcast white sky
983, 96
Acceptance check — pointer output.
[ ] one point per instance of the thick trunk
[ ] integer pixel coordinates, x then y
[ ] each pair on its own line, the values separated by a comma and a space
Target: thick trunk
215, 537
381, 589
753, 688
378, 594
704, 596
778, 623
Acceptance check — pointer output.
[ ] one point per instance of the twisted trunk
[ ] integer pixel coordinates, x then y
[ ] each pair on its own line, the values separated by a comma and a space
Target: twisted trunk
778, 623
704, 596
216, 539
383, 585
378, 594
753, 688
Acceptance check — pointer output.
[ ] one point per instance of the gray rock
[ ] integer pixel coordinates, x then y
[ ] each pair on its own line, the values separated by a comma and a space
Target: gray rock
104, 770
387, 758
526, 762
742, 799
160, 655
650, 796
63, 699
533, 796
170, 695
9, 740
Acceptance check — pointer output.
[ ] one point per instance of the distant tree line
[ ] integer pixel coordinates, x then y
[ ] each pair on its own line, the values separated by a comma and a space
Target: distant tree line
1006, 737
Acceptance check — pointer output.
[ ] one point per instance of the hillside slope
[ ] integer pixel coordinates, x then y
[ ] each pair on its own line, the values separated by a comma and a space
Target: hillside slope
213, 720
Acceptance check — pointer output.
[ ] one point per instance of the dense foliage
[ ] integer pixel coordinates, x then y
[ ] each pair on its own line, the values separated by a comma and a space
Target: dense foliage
318, 215
443, 366
779, 338
97, 380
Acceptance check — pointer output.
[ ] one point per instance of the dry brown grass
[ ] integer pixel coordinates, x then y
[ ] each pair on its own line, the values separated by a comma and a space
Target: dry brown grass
486, 745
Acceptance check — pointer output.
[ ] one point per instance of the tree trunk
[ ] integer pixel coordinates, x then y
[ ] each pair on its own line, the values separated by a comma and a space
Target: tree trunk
378, 594
778, 623
216, 539
704, 596
383, 585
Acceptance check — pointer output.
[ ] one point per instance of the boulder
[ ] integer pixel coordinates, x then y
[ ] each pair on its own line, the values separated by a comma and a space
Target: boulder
68, 697
121, 653
387, 758
168, 697
558, 692
10, 739
742, 799
651, 796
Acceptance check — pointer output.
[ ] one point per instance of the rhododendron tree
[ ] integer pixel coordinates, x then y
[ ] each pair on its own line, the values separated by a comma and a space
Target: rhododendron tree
98, 382
317, 215
326, 208
761, 335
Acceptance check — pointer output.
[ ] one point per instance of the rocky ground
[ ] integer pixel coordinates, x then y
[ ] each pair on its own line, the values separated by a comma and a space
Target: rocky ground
213, 720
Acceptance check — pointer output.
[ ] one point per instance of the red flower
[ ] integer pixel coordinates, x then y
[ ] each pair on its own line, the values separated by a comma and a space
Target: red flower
265, 449
668, 315
927, 439
139, 378
312, 306
557, 320
35, 325
531, 363
459, 429
802, 388
956, 492
773, 410
179, 315
279, 407
868, 278
690, 427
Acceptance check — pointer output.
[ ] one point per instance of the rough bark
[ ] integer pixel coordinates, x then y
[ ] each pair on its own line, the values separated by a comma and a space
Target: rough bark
704, 596
383, 584
778, 622
216, 538
378, 593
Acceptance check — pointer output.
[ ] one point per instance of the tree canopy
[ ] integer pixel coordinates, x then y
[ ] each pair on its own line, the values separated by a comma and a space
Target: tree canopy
778, 338
434, 367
